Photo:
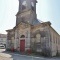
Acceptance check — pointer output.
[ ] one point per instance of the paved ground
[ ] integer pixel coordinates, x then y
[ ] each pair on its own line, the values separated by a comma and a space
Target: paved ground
15, 56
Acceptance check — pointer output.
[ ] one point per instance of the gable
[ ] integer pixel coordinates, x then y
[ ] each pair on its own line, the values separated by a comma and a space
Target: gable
23, 25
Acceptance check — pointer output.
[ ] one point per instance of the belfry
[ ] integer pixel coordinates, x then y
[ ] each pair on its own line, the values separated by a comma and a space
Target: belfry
27, 10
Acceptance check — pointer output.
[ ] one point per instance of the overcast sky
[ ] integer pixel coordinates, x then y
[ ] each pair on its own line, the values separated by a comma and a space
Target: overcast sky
47, 10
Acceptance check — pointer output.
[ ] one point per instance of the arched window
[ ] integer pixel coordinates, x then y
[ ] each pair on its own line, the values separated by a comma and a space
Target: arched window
32, 5
38, 37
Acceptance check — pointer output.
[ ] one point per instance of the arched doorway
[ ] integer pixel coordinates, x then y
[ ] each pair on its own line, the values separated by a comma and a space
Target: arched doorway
22, 43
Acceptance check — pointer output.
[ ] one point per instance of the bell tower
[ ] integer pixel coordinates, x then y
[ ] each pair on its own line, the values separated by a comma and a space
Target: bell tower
27, 11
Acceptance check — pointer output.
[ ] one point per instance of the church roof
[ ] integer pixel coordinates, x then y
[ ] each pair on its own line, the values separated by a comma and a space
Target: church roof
35, 22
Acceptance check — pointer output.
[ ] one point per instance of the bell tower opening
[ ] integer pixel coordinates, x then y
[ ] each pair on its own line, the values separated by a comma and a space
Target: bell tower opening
28, 4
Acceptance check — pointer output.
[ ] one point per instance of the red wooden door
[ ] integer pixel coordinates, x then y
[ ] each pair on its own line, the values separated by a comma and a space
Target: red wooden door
22, 45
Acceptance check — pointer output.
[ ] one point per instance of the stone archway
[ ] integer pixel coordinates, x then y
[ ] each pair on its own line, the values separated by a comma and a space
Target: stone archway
22, 36
37, 41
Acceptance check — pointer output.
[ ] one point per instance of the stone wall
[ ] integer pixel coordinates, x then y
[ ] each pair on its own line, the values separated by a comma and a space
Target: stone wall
55, 41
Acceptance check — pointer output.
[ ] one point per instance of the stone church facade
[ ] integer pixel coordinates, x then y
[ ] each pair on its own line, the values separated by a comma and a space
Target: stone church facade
32, 34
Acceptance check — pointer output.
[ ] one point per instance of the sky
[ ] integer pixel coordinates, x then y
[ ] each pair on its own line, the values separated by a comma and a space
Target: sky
47, 10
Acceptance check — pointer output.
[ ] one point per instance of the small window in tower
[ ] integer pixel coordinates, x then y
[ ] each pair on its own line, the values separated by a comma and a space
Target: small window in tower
32, 5
24, 4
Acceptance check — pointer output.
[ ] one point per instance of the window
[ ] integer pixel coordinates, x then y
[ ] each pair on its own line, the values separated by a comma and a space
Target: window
56, 40
24, 4
32, 5
38, 38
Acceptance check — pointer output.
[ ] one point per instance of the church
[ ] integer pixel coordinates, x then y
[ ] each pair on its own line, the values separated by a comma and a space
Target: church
31, 34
